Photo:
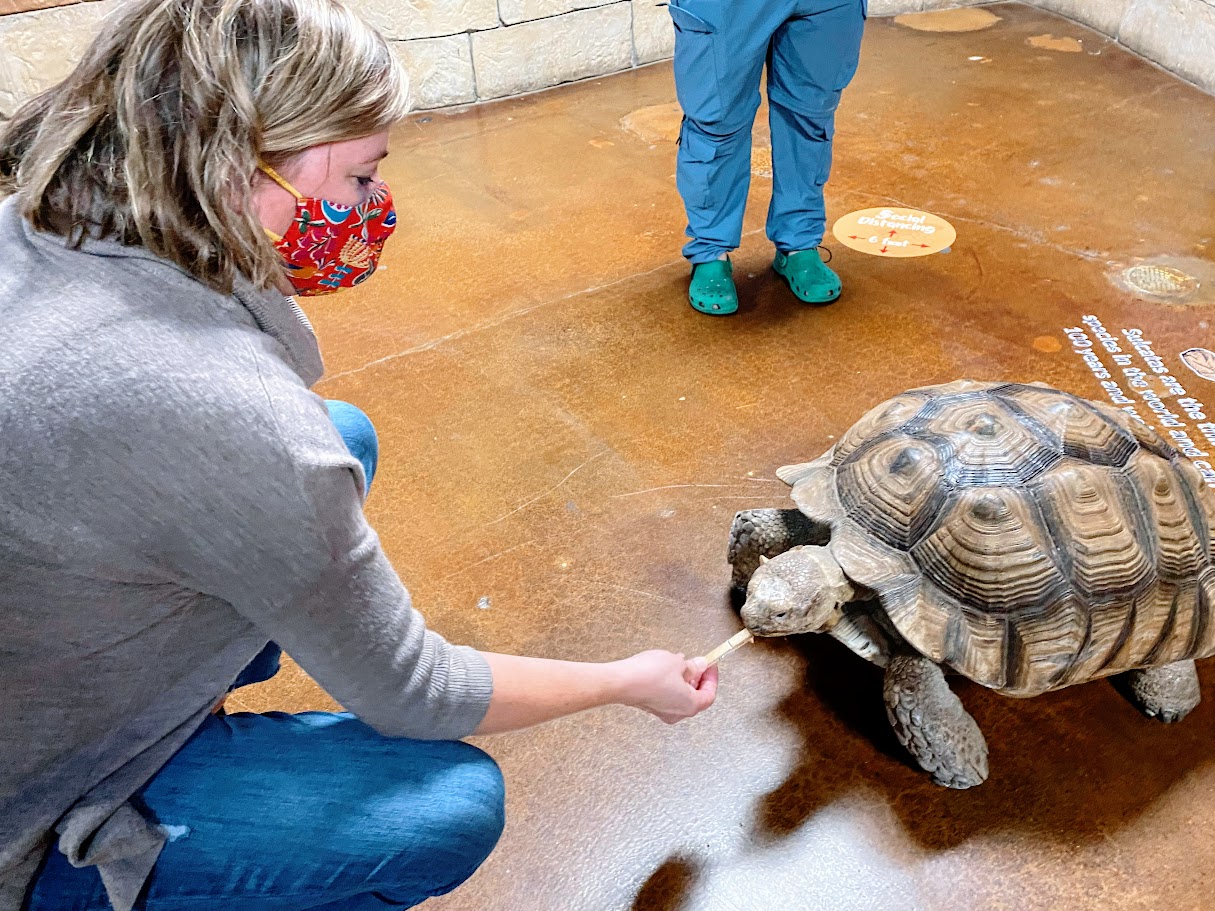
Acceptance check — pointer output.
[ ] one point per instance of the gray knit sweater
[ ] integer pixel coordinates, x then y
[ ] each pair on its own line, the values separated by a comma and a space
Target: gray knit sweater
172, 496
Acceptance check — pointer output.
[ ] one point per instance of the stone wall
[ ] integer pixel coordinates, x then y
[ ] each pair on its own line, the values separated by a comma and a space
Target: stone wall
1177, 34
460, 51
38, 49
456, 51
463, 51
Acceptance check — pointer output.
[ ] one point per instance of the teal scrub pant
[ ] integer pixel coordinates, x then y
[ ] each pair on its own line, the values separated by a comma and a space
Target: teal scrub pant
811, 49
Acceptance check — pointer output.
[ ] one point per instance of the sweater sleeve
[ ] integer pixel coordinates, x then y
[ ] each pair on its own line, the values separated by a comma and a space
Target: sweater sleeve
347, 619
252, 498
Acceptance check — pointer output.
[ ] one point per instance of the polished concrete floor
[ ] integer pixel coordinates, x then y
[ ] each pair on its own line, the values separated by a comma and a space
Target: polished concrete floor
565, 442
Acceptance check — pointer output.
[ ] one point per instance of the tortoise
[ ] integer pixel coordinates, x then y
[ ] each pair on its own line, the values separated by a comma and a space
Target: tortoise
1016, 534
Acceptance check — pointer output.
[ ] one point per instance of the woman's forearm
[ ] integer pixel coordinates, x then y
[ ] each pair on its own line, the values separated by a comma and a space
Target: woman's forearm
529, 691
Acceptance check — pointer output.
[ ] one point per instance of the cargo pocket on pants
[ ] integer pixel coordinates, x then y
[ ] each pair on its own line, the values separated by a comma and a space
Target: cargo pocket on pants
693, 177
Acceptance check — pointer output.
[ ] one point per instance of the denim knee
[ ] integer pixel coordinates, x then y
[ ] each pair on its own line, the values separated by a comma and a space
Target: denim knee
473, 818
358, 433
264, 666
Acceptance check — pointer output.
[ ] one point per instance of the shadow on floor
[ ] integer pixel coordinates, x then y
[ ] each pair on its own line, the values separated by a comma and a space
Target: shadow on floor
1067, 766
668, 886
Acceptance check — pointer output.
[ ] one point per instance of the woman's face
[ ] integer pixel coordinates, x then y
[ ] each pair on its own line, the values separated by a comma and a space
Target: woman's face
341, 172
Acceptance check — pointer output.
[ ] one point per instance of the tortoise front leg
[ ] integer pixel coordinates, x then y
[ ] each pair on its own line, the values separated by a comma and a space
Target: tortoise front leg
1169, 693
931, 723
766, 533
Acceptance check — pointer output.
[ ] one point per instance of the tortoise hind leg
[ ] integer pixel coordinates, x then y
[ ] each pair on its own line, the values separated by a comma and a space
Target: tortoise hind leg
931, 723
1168, 693
767, 533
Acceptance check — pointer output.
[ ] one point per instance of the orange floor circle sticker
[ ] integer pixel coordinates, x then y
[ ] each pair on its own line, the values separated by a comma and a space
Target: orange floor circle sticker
894, 232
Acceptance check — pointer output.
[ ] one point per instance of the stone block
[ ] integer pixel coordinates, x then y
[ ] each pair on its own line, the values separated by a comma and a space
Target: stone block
24, 6
536, 55
965, 19
402, 20
440, 70
932, 5
512, 12
1177, 34
1103, 15
39, 49
895, 7
653, 33
900, 7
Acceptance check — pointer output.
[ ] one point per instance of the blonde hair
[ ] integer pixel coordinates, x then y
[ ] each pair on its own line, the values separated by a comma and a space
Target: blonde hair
155, 139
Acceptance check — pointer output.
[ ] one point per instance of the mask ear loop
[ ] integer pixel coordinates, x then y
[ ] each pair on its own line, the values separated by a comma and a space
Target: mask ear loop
282, 182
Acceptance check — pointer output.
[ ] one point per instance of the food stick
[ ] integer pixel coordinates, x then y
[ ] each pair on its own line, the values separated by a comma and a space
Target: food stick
739, 639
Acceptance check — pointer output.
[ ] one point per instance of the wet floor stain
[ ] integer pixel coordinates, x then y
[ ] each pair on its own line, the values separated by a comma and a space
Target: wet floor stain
1047, 344
950, 20
660, 123
656, 123
1051, 43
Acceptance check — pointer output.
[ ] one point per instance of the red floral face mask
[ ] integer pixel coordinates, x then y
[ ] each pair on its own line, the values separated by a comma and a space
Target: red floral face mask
330, 246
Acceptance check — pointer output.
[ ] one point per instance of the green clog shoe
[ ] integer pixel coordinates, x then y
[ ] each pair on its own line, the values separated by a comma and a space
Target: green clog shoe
808, 276
712, 289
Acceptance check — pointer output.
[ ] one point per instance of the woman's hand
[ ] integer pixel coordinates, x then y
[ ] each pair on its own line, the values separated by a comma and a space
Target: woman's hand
667, 685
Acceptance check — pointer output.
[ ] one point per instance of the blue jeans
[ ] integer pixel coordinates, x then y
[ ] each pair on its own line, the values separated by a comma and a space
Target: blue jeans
358, 433
282, 812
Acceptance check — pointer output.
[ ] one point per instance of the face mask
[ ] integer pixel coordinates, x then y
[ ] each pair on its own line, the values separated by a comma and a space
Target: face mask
330, 246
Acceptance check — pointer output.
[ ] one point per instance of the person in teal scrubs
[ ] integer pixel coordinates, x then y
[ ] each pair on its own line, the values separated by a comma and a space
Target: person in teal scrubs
811, 49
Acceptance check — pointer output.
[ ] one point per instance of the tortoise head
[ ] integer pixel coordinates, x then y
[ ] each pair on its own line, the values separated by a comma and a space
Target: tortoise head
799, 591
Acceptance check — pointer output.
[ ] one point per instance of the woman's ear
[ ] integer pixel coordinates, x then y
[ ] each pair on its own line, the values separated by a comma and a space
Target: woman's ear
269, 203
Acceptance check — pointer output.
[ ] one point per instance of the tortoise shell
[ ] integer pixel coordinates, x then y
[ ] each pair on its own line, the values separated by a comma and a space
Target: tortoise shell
1023, 536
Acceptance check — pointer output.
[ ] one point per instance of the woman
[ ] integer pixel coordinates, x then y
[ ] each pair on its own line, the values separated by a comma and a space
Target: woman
172, 496
811, 49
